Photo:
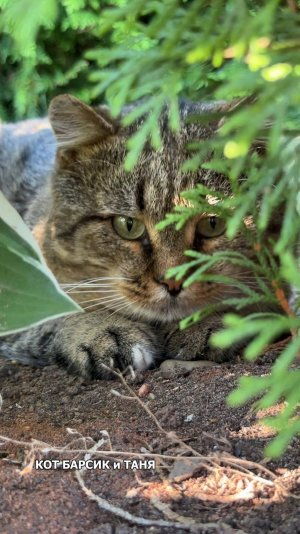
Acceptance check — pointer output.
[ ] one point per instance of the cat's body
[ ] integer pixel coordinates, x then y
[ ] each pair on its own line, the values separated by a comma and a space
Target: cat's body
27, 154
95, 224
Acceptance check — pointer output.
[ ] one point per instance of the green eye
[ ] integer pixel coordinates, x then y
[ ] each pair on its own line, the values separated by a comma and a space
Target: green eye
127, 227
211, 226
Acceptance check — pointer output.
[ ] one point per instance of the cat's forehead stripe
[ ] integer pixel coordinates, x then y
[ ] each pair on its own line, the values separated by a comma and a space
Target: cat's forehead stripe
152, 188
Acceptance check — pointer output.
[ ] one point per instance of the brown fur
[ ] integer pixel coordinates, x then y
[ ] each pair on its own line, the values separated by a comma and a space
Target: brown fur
71, 219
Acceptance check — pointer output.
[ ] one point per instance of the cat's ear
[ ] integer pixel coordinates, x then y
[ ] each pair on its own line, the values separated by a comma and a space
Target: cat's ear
75, 124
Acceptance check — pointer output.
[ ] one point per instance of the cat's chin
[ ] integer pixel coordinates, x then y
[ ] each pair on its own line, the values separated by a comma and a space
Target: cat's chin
163, 313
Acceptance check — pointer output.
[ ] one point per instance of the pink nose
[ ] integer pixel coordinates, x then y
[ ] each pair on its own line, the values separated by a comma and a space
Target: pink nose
173, 286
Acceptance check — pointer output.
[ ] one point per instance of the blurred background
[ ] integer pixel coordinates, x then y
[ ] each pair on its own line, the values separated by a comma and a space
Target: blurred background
84, 46
42, 53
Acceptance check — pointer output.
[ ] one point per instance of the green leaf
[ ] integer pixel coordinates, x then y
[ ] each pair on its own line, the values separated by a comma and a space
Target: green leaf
290, 269
239, 329
278, 445
29, 293
264, 338
249, 386
23, 21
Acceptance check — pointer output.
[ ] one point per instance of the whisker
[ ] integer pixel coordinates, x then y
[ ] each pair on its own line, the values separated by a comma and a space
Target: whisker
122, 307
104, 303
92, 285
87, 284
73, 288
87, 290
97, 299
101, 299
91, 291
98, 279
106, 307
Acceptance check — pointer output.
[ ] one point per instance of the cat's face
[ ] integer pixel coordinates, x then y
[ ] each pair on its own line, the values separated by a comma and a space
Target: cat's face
102, 222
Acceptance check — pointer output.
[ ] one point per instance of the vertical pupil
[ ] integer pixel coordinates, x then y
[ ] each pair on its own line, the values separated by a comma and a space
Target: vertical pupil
129, 223
213, 222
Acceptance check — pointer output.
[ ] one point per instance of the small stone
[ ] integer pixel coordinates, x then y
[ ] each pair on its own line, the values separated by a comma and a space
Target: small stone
184, 468
144, 390
171, 368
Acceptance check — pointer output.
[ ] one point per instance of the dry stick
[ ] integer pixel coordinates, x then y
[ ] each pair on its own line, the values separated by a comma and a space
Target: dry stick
235, 467
169, 513
116, 510
134, 396
170, 435
40, 445
213, 460
230, 461
238, 463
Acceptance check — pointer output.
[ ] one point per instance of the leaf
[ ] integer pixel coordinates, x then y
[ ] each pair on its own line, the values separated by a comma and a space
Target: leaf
23, 22
29, 293
290, 269
280, 443
248, 387
11, 217
238, 329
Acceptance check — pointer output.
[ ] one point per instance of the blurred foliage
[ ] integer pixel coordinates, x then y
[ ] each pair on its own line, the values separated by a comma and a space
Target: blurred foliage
42, 53
156, 52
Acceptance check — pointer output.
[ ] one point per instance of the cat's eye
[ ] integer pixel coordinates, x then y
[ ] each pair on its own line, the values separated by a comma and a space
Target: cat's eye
127, 227
211, 226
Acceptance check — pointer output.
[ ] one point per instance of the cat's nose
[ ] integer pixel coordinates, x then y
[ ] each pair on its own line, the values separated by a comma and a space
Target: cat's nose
173, 286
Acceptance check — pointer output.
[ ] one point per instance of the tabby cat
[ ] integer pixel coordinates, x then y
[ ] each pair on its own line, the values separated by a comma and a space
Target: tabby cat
95, 224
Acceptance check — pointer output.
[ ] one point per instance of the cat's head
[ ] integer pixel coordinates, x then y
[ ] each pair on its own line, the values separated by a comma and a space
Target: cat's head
102, 220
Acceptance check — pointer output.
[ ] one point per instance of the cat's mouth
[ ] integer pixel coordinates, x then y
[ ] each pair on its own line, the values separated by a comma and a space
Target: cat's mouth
145, 302
169, 312
164, 307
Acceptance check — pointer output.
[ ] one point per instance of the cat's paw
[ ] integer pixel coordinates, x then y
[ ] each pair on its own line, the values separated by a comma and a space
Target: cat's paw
193, 344
91, 349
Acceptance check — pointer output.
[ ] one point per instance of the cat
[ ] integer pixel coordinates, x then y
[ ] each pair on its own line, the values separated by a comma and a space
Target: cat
95, 224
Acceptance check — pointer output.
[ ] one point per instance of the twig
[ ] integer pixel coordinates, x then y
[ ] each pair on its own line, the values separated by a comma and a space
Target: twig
170, 435
116, 510
211, 462
35, 444
169, 513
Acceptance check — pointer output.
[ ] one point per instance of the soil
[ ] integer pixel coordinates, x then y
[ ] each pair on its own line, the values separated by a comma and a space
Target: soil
205, 479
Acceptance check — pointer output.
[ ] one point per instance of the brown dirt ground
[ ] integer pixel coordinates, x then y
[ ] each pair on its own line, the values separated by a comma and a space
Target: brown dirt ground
41, 404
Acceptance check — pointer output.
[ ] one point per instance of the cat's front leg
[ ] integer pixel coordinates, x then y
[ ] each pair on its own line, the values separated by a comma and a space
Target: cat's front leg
88, 341
82, 343
193, 343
